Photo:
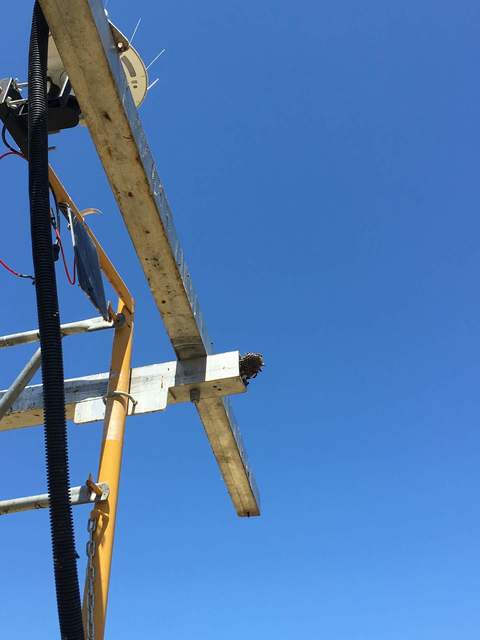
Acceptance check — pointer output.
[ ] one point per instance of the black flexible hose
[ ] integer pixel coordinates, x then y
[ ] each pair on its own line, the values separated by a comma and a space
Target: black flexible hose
61, 523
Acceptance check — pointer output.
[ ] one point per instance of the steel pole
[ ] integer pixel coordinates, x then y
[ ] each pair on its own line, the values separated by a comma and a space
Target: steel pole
20, 382
72, 328
78, 495
109, 469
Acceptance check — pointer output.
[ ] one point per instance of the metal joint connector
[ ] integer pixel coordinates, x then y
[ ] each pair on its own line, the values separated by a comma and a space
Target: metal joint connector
120, 394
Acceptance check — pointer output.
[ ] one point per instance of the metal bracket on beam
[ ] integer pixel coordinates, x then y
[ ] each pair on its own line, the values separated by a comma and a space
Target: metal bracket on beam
78, 495
120, 39
121, 394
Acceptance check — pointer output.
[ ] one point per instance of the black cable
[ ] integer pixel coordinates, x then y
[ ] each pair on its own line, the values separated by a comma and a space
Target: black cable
61, 523
5, 141
57, 208
19, 152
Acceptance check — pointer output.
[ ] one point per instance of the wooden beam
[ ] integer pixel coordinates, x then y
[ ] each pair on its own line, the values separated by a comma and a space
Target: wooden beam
226, 442
152, 388
101, 88
102, 91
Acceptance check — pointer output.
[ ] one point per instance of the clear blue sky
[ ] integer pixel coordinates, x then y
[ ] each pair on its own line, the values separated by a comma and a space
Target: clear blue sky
321, 160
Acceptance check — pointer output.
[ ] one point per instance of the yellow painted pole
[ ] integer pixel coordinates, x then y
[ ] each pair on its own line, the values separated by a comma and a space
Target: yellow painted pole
109, 471
105, 264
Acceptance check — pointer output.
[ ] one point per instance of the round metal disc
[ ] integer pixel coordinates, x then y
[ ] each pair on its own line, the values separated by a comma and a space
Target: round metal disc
136, 74
132, 64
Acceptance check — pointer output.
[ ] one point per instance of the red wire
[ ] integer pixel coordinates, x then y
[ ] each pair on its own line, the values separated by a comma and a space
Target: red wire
12, 271
4, 264
71, 279
12, 153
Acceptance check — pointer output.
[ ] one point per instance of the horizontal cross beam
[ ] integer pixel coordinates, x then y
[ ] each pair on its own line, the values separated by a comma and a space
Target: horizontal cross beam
203, 381
152, 388
78, 495
72, 328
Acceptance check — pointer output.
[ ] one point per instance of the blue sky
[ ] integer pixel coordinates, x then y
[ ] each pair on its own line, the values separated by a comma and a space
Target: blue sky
321, 160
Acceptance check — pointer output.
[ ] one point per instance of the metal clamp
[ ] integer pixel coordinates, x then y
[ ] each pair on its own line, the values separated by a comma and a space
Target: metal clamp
100, 489
120, 394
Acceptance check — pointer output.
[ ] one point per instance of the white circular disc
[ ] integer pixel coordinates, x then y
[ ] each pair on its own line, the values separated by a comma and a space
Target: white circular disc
136, 74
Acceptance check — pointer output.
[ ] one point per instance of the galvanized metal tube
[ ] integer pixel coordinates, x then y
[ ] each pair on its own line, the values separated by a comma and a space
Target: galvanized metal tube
78, 495
81, 326
109, 468
20, 382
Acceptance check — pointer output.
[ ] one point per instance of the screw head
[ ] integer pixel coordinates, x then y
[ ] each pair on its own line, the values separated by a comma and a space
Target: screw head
195, 395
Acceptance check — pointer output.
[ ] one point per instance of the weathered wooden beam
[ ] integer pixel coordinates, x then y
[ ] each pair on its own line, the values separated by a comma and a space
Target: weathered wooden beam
101, 88
152, 388
226, 442
102, 91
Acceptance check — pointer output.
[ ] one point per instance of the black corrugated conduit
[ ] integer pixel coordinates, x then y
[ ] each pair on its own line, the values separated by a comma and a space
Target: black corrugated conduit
61, 523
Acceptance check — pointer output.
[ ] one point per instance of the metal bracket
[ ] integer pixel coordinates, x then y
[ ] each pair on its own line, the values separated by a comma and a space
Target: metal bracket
120, 394
121, 41
101, 490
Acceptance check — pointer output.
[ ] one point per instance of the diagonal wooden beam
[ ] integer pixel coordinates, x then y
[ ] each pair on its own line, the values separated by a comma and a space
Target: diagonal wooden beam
101, 88
107, 106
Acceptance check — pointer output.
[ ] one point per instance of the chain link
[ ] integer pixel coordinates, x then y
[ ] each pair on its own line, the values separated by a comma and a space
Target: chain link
91, 548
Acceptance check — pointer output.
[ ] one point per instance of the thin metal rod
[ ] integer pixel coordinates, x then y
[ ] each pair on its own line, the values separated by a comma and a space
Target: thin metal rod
155, 59
135, 30
110, 466
81, 326
14, 103
20, 382
152, 84
78, 495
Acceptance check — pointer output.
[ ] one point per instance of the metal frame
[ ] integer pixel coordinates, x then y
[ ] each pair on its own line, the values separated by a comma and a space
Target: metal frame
17, 129
101, 88
106, 265
116, 407
18, 385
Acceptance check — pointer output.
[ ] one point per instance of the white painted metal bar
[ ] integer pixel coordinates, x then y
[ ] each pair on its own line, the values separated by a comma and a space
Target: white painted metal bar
107, 106
152, 388
20, 382
78, 495
69, 329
